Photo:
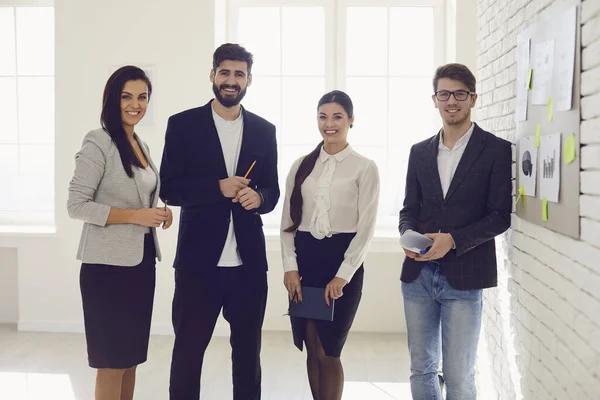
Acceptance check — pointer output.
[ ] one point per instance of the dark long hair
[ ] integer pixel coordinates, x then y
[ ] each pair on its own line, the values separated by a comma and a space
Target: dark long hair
111, 119
308, 163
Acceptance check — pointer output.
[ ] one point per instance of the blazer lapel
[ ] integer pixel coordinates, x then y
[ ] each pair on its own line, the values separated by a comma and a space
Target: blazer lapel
432, 167
472, 152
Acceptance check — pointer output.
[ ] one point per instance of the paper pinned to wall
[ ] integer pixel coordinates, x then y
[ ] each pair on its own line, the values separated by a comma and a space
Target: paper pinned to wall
550, 167
543, 67
566, 23
527, 165
523, 79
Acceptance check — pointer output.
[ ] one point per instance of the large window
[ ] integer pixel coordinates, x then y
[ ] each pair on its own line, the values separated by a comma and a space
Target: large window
26, 115
382, 53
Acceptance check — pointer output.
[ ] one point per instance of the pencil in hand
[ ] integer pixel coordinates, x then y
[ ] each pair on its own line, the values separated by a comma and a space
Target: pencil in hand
249, 169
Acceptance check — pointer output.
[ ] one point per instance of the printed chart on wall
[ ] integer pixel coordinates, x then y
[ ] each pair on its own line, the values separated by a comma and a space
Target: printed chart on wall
543, 63
528, 167
550, 167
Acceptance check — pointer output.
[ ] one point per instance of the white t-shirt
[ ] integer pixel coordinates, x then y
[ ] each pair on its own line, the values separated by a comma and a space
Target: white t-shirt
230, 135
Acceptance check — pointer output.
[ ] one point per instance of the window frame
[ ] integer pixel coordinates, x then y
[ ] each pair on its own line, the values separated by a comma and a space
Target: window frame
21, 216
335, 62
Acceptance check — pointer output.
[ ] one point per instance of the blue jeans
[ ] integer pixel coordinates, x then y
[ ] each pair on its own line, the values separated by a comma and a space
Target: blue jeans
434, 310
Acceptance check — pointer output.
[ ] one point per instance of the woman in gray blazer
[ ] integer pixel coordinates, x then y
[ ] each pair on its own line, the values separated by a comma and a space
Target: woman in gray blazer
114, 190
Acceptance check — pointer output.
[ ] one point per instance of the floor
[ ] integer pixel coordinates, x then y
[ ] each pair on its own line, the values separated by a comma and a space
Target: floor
53, 366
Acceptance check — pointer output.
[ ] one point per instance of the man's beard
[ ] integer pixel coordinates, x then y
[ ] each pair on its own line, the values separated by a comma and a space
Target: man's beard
227, 101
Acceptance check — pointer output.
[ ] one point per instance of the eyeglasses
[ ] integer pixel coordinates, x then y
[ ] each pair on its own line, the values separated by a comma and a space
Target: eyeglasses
459, 95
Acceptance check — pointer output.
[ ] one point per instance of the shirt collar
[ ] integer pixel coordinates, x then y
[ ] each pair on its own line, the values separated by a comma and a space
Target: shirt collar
460, 142
339, 157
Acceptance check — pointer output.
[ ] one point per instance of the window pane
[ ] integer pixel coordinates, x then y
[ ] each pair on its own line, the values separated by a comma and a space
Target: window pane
35, 40
367, 41
412, 114
303, 49
9, 177
393, 186
300, 99
369, 96
411, 41
264, 98
8, 110
36, 110
7, 41
36, 170
260, 34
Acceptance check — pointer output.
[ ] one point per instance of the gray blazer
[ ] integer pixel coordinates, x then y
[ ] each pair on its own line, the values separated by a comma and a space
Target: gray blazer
99, 183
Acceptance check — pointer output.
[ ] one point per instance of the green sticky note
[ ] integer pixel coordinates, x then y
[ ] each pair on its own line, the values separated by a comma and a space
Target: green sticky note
521, 193
538, 135
569, 150
530, 79
545, 209
550, 109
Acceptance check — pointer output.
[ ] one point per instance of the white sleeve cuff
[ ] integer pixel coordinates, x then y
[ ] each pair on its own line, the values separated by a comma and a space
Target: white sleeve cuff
290, 264
346, 272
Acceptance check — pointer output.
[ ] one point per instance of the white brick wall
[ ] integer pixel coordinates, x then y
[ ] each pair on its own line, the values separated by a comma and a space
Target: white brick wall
542, 323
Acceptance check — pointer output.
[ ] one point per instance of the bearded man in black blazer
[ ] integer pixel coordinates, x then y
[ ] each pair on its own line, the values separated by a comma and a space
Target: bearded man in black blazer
459, 194
221, 259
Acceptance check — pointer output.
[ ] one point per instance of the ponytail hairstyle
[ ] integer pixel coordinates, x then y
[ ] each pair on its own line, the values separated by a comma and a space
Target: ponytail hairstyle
309, 161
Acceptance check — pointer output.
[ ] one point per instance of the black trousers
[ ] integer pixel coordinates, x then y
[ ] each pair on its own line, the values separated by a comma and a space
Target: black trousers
199, 298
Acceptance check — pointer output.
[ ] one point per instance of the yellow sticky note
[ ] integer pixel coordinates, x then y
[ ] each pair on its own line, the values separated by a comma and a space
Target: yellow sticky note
521, 193
550, 109
538, 135
545, 209
569, 151
530, 79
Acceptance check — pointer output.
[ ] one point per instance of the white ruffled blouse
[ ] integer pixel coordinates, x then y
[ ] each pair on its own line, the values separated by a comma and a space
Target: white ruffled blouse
340, 196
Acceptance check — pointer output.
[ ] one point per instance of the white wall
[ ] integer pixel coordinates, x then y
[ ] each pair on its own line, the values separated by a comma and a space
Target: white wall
9, 309
542, 324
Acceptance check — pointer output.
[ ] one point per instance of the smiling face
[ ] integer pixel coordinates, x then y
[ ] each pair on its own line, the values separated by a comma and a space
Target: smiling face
334, 123
134, 102
230, 82
454, 112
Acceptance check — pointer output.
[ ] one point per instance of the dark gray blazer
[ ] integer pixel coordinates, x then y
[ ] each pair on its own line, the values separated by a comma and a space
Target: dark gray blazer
476, 208
99, 183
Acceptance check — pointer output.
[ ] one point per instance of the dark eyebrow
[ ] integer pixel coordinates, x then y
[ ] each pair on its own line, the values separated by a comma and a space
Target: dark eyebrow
144, 93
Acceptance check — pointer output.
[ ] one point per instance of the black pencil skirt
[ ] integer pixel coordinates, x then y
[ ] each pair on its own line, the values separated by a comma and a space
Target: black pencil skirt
318, 263
117, 310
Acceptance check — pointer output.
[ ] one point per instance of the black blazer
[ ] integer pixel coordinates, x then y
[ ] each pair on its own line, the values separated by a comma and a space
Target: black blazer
477, 207
192, 165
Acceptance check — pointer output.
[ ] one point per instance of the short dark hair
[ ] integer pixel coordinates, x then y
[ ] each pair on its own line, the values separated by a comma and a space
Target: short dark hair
457, 72
110, 117
234, 52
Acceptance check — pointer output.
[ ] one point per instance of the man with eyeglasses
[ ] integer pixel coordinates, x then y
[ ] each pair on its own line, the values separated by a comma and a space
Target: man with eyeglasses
459, 194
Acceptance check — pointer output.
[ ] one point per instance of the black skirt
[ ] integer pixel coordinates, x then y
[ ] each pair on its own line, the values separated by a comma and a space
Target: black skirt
117, 310
318, 263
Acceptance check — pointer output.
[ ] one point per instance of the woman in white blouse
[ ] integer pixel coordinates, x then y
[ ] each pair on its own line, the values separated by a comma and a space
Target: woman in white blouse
327, 224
